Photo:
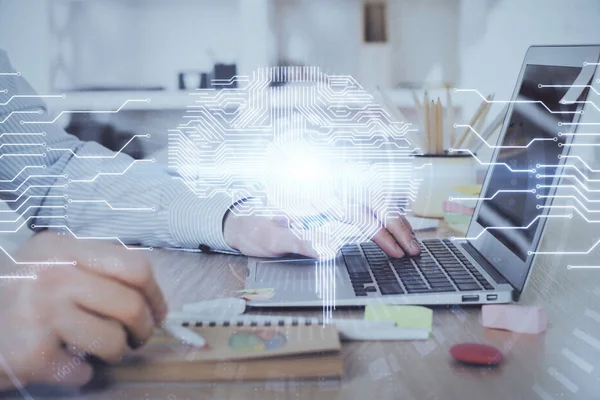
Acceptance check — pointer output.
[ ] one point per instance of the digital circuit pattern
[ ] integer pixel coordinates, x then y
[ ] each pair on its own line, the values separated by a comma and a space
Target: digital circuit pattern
563, 179
318, 153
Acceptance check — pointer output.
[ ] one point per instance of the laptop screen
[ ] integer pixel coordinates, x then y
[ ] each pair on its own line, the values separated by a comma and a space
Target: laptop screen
534, 132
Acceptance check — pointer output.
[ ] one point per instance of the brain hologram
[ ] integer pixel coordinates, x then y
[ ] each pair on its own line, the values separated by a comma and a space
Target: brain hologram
314, 150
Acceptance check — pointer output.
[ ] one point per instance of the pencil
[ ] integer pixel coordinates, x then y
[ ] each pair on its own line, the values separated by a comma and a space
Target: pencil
433, 127
450, 114
440, 127
426, 123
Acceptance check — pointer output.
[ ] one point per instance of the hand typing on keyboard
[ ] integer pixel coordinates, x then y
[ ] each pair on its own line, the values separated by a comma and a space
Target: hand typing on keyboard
259, 236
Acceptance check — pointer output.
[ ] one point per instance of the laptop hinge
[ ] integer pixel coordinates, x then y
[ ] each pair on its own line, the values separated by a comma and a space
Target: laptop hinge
489, 268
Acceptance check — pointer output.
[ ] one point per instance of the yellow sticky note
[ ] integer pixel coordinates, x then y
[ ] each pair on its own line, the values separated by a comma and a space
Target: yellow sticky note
404, 316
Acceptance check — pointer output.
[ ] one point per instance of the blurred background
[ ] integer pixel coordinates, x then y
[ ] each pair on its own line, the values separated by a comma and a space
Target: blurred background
102, 52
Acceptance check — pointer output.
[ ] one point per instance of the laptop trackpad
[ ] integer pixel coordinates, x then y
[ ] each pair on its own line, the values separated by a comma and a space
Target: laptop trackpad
279, 271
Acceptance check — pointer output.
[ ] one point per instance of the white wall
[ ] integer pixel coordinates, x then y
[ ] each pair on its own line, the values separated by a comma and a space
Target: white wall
149, 43
181, 35
424, 36
23, 34
492, 49
325, 33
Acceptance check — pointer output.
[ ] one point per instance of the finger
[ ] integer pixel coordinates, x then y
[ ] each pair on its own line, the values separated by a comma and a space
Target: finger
382, 238
112, 299
402, 232
386, 242
65, 369
91, 334
128, 267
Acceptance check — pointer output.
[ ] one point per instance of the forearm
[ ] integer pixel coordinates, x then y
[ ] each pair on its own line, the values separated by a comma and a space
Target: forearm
97, 193
54, 180
138, 202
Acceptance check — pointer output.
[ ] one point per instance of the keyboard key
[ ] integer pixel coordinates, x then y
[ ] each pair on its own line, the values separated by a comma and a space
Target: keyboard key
389, 278
468, 286
356, 264
359, 273
464, 281
350, 248
409, 276
407, 270
438, 281
434, 274
390, 288
446, 285
370, 289
409, 284
385, 276
442, 289
379, 257
457, 269
361, 281
418, 290
412, 289
383, 273
413, 275
431, 270
460, 273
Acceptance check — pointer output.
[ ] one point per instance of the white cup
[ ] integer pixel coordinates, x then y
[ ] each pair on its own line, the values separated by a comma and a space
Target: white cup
436, 175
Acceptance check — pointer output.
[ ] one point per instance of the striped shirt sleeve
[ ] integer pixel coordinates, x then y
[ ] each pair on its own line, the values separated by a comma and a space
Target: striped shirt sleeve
54, 180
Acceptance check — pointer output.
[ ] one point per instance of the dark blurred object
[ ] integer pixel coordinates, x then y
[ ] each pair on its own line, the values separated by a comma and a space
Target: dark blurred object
204, 81
375, 23
190, 80
86, 129
223, 76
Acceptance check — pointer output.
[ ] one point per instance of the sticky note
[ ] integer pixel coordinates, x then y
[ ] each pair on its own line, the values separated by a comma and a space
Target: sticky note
514, 318
404, 316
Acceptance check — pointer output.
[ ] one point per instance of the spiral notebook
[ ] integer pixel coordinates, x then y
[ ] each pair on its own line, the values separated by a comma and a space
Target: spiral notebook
235, 352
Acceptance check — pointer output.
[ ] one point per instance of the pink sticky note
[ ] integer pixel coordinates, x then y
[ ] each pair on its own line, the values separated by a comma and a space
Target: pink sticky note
514, 318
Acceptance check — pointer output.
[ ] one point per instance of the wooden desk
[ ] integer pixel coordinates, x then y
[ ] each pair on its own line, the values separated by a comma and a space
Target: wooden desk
563, 363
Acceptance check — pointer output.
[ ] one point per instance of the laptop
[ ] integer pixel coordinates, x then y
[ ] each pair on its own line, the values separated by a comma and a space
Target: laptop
493, 263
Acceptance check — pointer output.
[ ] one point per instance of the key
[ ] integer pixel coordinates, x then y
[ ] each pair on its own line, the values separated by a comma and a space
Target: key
390, 288
356, 264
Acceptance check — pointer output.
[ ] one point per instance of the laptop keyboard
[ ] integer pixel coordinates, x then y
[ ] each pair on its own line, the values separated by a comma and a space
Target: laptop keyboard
440, 267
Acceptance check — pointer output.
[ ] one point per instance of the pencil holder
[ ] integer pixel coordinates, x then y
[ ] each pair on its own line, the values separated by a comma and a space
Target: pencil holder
437, 174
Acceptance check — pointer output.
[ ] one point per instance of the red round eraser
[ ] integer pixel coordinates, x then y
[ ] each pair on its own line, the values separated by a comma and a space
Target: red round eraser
475, 353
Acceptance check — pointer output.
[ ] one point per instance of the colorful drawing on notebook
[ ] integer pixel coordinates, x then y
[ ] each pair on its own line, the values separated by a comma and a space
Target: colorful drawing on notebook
256, 294
258, 340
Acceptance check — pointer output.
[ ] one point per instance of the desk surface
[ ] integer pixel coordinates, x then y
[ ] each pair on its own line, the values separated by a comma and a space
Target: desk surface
563, 363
